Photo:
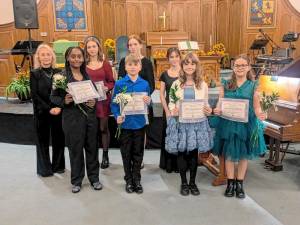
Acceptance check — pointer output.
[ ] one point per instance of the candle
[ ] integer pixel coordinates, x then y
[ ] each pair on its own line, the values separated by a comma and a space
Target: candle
164, 16
160, 40
210, 41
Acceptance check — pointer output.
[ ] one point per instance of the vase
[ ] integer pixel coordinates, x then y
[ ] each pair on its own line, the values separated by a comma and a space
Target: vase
23, 98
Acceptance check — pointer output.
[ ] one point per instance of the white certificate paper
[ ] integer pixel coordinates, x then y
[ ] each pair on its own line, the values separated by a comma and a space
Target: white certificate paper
235, 109
82, 91
191, 111
100, 89
137, 105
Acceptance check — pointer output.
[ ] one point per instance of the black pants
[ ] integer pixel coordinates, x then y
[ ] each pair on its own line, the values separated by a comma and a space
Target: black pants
187, 160
81, 134
44, 124
167, 161
132, 151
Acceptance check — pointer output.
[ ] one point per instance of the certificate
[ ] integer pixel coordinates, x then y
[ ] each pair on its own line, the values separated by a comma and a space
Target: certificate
191, 111
136, 105
235, 109
100, 89
82, 91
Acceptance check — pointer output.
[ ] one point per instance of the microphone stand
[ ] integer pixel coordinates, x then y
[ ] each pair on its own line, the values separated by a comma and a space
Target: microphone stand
272, 43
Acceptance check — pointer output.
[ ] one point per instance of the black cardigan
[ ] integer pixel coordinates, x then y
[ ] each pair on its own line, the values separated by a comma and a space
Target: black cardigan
40, 86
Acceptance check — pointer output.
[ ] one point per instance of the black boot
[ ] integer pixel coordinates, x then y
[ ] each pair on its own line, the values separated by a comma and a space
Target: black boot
105, 160
239, 191
184, 189
229, 192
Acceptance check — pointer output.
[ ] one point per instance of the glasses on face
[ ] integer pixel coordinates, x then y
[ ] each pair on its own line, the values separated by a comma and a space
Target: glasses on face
237, 66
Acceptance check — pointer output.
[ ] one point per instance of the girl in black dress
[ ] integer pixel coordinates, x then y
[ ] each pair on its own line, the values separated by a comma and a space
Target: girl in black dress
168, 161
80, 128
47, 117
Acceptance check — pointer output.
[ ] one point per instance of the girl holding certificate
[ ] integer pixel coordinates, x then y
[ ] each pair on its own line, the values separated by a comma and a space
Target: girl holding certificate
168, 161
79, 123
188, 138
233, 139
47, 117
100, 70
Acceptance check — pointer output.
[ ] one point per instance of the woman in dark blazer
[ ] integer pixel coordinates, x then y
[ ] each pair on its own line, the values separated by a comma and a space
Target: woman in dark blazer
47, 117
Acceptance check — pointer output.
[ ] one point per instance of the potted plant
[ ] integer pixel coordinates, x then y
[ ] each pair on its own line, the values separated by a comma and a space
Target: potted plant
110, 46
20, 86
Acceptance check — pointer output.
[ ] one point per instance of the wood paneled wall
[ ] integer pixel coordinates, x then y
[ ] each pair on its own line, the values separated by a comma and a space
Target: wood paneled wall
125, 17
232, 25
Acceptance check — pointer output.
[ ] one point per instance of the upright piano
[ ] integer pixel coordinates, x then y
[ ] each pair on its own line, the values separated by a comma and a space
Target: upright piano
283, 121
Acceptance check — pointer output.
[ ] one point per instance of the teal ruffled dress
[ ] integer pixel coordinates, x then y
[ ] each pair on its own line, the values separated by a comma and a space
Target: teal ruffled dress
233, 139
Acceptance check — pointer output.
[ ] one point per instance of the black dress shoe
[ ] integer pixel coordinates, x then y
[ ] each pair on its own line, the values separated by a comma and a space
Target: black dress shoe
59, 171
76, 188
194, 189
239, 190
129, 188
105, 160
138, 187
184, 189
97, 186
229, 192
45, 175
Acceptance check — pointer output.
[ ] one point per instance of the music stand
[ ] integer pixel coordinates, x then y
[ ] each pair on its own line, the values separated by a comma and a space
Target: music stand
26, 47
259, 44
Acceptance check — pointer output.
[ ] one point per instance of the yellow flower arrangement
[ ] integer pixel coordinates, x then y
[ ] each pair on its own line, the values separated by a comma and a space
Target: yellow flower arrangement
20, 85
110, 46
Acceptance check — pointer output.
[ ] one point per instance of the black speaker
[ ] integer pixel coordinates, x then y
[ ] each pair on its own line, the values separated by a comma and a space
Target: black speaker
25, 13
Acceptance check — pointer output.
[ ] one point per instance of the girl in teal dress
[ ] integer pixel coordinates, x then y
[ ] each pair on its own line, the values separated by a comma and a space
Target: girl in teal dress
233, 139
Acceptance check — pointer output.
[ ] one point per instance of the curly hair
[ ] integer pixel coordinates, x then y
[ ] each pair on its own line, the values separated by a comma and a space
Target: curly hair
198, 74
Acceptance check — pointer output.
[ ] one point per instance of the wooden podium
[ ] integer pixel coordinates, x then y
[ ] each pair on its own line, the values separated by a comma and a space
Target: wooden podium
157, 43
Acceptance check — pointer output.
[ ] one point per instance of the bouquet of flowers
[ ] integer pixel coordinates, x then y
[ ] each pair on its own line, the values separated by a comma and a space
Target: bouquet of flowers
173, 96
59, 81
122, 99
266, 102
110, 46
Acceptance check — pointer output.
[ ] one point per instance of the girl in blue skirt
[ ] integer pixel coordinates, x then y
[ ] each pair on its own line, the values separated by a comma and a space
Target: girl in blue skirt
233, 139
188, 138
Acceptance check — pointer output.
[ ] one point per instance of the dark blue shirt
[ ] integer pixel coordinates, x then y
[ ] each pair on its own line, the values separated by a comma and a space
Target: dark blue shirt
140, 85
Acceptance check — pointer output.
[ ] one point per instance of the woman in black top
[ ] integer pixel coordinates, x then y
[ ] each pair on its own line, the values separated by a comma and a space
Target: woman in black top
80, 128
47, 117
134, 47
167, 160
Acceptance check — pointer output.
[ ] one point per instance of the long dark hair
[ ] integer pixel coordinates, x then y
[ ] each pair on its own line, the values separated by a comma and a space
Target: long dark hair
171, 50
68, 70
232, 84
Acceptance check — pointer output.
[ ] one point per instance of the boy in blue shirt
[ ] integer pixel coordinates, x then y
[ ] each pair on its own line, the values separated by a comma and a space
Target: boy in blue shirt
133, 126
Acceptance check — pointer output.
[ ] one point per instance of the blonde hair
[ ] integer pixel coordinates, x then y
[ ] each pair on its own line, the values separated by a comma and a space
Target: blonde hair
198, 74
36, 60
100, 51
131, 58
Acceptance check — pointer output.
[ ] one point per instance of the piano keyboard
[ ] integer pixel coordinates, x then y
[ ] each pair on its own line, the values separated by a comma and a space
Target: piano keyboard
271, 125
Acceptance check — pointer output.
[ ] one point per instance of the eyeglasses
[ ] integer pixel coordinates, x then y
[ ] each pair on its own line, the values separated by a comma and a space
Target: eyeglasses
240, 66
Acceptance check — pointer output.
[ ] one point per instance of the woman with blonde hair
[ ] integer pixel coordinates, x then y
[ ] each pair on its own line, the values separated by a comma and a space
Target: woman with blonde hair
99, 69
47, 117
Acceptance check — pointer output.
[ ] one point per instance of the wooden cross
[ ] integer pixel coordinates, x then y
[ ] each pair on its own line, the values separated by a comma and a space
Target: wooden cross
163, 17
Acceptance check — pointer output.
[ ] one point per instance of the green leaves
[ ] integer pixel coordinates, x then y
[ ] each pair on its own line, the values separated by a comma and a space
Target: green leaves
20, 86
173, 97
267, 101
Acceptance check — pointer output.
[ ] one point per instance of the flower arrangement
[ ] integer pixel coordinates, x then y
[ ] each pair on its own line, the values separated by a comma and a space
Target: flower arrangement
59, 81
266, 102
110, 46
122, 99
20, 85
173, 96
218, 49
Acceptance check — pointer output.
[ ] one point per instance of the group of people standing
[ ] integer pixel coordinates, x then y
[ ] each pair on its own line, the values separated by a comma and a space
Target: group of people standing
55, 112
